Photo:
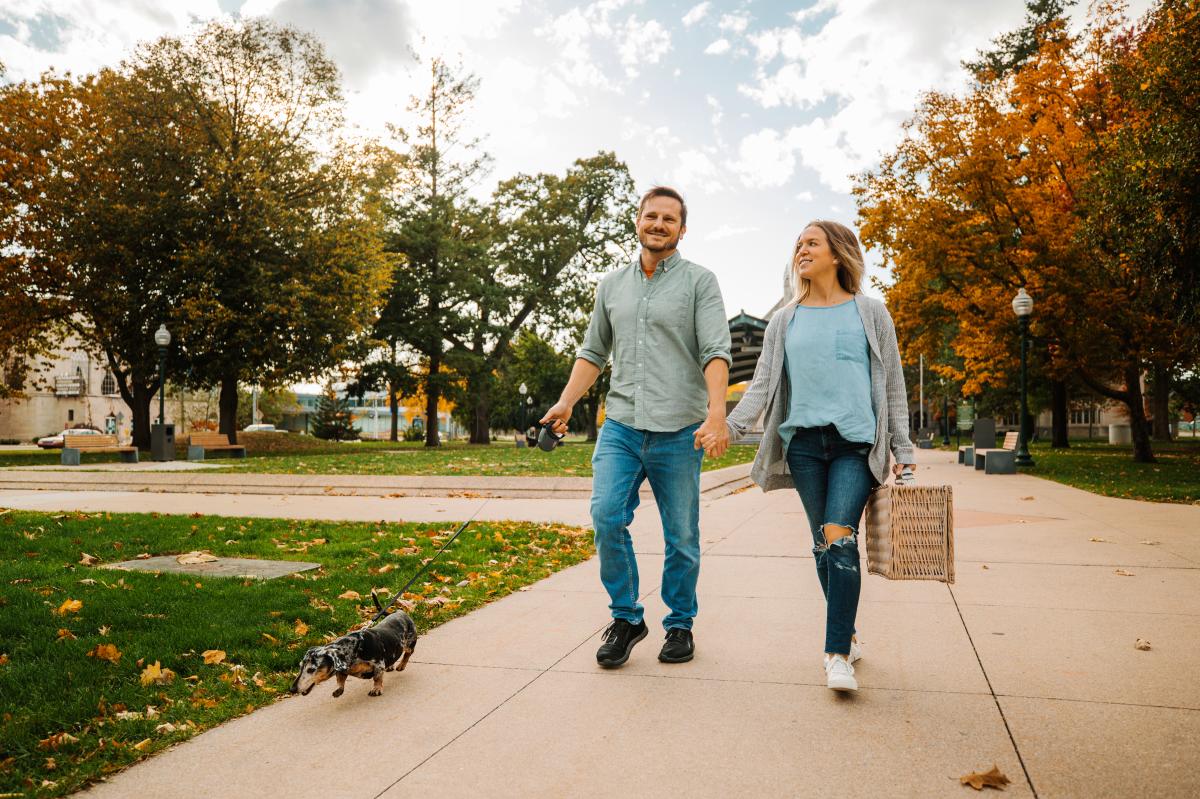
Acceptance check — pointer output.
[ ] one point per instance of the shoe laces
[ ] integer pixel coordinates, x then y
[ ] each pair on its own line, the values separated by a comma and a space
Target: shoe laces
612, 632
676, 634
838, 664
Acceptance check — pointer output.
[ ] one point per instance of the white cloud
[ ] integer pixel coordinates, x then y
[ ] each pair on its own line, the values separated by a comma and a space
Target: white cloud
765, 159
735, 23
718, 47
725, 231
696, 14
642, 43
697, 172
364, 37
805, 196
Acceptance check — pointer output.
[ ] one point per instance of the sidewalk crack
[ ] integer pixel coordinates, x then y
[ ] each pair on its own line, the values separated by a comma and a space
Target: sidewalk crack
996, 699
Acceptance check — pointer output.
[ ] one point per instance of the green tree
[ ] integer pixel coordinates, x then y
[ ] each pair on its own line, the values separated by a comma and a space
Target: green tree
333, 421
290, 265
552, 235
436, 227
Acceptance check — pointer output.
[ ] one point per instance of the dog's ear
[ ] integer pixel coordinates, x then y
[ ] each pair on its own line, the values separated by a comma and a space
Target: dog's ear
339, 660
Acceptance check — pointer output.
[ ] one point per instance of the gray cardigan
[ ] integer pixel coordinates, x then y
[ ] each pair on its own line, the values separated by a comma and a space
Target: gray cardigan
770, 389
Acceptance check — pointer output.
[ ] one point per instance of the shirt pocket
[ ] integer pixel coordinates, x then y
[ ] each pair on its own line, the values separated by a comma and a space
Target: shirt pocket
672, 312
850, 345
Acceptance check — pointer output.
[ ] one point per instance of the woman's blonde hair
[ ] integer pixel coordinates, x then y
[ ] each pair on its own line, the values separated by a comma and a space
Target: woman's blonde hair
846, 253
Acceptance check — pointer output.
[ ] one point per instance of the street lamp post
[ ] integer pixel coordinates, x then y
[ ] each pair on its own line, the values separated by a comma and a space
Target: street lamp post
945, 418
162, 439
1022, 306
523, 389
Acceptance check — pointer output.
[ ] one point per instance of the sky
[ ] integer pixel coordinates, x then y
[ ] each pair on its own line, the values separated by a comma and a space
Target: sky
758, 111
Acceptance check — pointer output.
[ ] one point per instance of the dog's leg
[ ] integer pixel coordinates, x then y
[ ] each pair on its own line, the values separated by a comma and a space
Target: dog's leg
378, 683
341, 681
404, 660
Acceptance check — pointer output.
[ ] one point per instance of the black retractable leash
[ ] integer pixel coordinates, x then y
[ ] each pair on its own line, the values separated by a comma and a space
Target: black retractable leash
547, 438
383, 609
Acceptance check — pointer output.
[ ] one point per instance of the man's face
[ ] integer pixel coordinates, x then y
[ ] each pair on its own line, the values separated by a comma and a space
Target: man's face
660, 224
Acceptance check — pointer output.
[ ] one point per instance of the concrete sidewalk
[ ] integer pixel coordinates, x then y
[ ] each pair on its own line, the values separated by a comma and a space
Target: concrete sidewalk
1027, 662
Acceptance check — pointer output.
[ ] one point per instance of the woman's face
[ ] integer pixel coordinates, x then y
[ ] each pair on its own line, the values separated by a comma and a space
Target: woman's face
813, 258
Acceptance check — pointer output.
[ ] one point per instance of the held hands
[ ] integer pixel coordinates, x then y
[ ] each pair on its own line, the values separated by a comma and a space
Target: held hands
713, 435
559, 414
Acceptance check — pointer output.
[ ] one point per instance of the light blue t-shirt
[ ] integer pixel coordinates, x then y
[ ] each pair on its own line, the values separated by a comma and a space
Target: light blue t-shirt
829, 373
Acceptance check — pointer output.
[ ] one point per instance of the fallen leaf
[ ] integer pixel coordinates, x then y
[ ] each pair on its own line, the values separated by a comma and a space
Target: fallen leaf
155, 673
65, 634
1026, 498
1123, 573
1142, 644
51, 764
1097, 540
165, 727
107, 652
141, 745
270, 638
4, 658
143, 556
301, 628
1150, 543
986, 779
57, 740
104, 630
984, 566
69, 606
88, 560
198, 556
350, 595
213, 656
127, 715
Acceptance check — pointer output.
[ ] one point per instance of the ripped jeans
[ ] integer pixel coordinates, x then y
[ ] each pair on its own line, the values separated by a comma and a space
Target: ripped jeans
833, 479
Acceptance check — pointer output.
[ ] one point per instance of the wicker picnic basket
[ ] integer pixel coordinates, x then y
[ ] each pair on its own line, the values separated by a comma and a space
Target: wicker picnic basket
910, 532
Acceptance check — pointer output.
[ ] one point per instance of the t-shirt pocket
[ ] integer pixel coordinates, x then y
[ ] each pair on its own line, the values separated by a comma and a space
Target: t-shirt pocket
850, 345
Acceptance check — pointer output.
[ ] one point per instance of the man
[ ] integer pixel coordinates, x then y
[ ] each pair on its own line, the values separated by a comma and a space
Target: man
663, 322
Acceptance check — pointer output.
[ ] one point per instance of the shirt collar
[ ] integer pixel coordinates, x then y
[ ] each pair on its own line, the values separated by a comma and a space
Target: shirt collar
666, 265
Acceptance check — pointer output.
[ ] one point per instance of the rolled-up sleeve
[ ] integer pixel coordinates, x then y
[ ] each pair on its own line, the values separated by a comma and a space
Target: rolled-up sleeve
597, 342
712, 328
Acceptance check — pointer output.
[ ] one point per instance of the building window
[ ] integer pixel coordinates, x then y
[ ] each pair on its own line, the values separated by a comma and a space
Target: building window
70, 416
108, 386
1085, 416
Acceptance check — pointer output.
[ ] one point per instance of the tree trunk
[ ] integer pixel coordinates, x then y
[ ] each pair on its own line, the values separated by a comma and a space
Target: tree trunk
394, 405
432, 395
227, 405
1142, 452
139, 411
394, 397
480, 428
1161, 403
1059, 415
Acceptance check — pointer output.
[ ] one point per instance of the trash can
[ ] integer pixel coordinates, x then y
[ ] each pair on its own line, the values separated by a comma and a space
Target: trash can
162, 442
1120, 434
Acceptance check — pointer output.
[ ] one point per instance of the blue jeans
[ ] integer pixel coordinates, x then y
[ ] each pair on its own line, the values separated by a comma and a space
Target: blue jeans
833, 479
624, 457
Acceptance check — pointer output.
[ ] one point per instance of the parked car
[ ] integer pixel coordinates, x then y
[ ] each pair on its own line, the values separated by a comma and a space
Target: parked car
56, 441
262, 428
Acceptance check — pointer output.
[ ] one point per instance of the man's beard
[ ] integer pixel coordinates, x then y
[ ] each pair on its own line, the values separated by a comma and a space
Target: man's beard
671, 244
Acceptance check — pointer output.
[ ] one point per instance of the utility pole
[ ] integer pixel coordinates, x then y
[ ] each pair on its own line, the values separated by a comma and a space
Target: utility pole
921, 421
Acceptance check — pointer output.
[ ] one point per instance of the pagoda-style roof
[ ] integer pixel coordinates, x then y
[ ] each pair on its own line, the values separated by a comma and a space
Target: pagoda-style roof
746, 336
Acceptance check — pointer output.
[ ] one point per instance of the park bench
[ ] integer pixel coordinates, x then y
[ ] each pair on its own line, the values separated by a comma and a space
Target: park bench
925, 441
999, 461
200, 444
74, 446
983, 436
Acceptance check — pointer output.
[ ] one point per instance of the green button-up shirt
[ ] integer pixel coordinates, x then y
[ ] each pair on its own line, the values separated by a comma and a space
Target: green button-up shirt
661, 333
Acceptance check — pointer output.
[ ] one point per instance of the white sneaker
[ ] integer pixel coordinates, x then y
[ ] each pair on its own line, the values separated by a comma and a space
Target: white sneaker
839, 674
856, 651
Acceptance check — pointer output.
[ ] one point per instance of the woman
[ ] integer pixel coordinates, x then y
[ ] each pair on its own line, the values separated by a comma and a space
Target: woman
829, 379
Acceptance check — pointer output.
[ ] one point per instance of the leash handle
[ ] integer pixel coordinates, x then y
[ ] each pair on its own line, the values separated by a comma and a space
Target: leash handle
385, 608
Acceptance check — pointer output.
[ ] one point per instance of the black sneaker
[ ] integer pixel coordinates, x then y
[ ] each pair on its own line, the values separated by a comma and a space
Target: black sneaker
678, 648
619, 640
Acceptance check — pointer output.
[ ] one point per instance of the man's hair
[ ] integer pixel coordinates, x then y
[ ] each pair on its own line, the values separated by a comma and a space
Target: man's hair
665, 191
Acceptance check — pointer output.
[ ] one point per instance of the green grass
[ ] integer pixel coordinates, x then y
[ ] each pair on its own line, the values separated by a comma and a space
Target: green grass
501, 459
70, 717
1110, 470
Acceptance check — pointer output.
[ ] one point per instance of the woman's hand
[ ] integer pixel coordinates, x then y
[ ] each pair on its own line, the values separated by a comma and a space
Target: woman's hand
897, 468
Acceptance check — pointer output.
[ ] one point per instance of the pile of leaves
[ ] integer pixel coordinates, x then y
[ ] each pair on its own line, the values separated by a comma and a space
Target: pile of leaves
99, 668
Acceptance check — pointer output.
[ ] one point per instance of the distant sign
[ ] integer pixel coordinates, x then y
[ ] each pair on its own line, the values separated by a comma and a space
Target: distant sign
966, 416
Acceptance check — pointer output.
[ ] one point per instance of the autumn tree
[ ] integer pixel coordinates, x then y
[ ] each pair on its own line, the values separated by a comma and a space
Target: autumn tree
986, 194
290, 266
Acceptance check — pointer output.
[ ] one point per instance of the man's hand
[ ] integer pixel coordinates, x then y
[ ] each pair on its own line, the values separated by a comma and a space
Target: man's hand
559, 414
713, 435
